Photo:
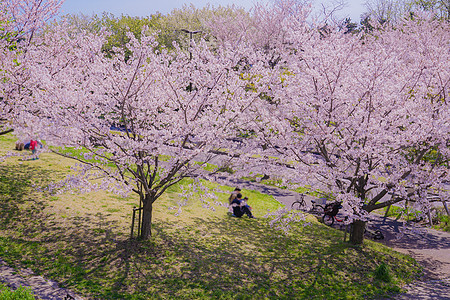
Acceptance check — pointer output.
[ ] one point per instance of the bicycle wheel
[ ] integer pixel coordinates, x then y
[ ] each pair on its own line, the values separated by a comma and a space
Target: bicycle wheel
328, 220
298, 205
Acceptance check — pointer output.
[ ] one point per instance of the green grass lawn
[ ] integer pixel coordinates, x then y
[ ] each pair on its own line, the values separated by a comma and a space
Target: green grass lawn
82, 241
20, 293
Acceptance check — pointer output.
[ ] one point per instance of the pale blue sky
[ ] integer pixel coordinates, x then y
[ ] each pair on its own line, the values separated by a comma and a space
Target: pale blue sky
148, 7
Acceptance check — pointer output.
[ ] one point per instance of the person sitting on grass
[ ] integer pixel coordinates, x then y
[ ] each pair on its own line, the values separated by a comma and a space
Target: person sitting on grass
240, 207
232, 197
244, 203
20, 145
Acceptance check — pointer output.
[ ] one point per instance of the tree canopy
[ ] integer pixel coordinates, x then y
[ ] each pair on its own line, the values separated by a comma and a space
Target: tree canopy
363, 117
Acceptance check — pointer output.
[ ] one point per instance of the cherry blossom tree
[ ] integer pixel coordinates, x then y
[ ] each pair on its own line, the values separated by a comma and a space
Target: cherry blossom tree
144, 121
265, 27
20, 21
364, 117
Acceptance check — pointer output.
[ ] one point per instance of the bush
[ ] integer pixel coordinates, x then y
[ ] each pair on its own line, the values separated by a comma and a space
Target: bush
22, 293
441, 220
383, 273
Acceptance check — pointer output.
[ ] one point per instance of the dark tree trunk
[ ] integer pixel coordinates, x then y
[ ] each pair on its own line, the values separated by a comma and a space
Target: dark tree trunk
357, 233
146, 228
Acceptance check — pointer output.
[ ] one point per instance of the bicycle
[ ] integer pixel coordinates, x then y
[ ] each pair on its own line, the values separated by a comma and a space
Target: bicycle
330, 212
316, 208
299, 202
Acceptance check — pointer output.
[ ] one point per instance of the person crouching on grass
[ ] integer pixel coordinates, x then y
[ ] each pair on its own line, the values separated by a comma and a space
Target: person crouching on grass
240, 207
34, 144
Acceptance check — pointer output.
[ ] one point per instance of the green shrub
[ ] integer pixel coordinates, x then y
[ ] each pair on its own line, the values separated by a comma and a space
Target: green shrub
22, 293
441, 220
383, 273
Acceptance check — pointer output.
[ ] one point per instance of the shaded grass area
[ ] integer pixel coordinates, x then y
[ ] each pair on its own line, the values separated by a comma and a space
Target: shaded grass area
201, 255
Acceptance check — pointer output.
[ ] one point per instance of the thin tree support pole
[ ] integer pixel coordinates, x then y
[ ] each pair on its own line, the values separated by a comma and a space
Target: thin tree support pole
140, 218
132, 221
386, 214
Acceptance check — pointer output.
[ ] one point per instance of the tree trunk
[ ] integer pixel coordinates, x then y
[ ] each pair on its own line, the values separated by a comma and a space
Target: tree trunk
146, 228
357, 234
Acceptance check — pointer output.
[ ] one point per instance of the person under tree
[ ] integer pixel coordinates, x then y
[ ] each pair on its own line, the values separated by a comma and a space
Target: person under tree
239, 209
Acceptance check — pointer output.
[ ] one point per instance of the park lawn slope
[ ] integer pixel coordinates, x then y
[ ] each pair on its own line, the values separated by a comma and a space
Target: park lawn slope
82, 241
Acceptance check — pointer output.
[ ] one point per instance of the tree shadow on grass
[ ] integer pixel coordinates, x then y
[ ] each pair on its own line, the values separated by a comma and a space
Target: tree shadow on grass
215, 258
18, 185
71, 252
246, 258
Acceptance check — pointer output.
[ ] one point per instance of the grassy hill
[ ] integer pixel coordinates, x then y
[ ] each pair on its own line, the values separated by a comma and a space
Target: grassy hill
82, 241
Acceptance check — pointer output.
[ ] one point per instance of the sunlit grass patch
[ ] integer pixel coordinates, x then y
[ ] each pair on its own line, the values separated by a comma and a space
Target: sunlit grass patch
21, 293
82, 241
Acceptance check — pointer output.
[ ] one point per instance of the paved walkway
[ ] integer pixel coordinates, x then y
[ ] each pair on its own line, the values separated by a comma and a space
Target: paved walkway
431, 249
42, 288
